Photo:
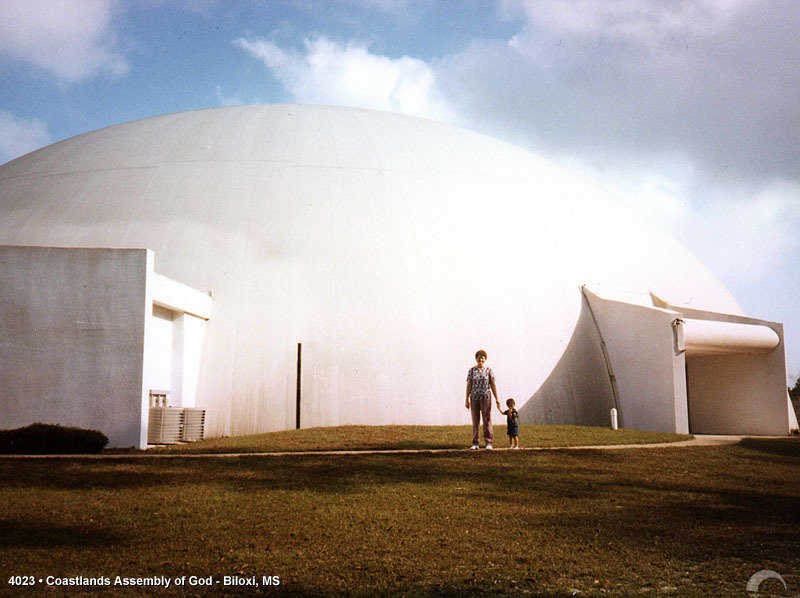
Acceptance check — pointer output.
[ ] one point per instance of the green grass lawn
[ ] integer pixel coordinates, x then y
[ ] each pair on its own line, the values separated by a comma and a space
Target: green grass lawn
695, 521
414, 437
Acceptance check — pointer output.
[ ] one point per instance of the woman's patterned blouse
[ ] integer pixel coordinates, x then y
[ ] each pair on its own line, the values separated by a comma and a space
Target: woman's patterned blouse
479, 380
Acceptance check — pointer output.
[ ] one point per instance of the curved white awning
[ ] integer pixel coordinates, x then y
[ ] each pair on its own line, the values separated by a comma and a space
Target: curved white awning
706, 337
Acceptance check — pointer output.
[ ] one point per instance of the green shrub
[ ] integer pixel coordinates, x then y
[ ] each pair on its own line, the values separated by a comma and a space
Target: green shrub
39, 439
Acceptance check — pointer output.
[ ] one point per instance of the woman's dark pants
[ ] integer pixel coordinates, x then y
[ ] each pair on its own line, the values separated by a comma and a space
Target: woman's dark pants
482, 408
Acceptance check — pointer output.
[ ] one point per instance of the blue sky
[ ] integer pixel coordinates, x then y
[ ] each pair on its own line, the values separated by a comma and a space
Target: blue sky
689, 111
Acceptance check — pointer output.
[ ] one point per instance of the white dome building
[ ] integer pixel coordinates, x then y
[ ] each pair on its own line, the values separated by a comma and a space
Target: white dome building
391, 247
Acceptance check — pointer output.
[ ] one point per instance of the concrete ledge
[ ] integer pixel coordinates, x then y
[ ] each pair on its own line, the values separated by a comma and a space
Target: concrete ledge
177, 296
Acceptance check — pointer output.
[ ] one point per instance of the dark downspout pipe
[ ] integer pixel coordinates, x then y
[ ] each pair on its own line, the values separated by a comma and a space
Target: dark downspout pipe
299, 365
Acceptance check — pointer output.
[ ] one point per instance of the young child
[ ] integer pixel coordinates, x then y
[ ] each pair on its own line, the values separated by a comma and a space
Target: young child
512, 424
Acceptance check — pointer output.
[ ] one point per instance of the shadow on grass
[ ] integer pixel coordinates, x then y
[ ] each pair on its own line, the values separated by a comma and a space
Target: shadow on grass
497, 477
318, 474
32, 534
690, 531
785, 447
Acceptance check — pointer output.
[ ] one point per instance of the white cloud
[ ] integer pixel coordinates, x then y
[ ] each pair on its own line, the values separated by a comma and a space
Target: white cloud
19, 136
749, 236
350, 75
71, 39
658, 196
635, 80
645, 21
743, 232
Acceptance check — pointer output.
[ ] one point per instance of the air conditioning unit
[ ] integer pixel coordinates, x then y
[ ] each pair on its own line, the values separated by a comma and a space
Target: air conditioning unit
164, 426
193, 424
171, 425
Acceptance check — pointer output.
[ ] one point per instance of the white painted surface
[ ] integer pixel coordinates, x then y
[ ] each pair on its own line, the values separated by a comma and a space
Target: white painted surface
71, 339
177, 337
189, 336
641, 350
734, 394
393, 247
680, 389
174, 339
179, 297
159, 374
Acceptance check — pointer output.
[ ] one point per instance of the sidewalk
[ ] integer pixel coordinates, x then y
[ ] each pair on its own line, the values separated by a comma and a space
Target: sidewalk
698, 440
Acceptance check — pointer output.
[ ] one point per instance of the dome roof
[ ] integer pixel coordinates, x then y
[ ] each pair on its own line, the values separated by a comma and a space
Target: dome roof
393, 247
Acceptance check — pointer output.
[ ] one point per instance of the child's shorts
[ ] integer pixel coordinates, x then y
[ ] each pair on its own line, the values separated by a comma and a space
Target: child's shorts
512, 429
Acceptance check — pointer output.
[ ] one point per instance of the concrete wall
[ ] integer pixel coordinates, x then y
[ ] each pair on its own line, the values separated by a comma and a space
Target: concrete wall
706, 372
188, 341
736, 394
648, 370
160, 374
72, 337
743, 393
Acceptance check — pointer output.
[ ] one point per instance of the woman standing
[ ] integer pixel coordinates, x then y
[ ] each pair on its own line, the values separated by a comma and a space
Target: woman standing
480, 385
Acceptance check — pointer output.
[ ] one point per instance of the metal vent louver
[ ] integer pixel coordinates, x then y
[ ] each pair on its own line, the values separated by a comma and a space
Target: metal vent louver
164, 425
193, 424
